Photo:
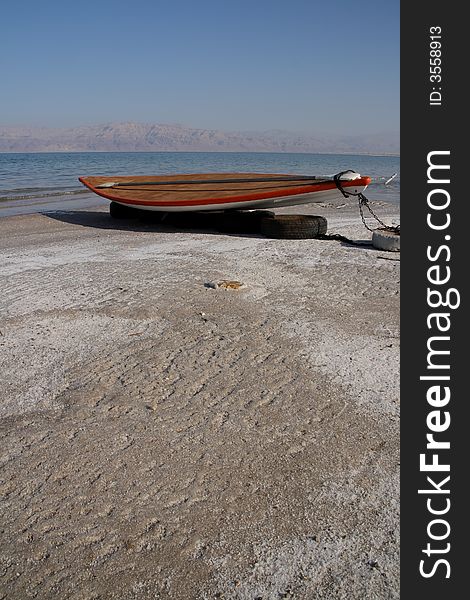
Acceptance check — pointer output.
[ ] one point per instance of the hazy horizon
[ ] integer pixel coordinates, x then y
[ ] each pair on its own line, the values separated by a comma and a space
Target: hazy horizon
131, 136
195, 126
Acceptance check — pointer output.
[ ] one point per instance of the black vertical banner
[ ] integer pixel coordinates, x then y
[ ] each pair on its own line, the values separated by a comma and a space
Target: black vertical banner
435, 254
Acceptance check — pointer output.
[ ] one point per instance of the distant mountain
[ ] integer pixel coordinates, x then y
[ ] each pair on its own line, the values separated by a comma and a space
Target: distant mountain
139, 137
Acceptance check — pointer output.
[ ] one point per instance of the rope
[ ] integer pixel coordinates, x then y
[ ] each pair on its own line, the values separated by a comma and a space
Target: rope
363, 203
310, 179
343, 238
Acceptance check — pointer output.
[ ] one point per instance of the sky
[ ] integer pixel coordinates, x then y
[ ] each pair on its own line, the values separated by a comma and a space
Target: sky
296, 65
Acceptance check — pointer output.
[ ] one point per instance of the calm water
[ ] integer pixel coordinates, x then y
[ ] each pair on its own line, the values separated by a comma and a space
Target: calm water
29, 182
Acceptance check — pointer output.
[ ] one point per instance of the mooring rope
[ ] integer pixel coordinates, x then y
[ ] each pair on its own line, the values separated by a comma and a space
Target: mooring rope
343, 238
363, 202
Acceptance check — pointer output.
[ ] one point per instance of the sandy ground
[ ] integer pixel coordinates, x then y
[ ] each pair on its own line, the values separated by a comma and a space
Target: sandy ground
162, 439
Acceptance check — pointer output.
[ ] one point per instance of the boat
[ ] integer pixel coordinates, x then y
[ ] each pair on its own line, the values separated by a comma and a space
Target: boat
224, 191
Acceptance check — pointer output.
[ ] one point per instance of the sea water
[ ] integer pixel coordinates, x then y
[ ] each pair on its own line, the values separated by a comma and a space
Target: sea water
36, 182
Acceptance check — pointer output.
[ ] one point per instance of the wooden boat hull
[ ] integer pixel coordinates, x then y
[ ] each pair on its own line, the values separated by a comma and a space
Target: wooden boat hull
221, 191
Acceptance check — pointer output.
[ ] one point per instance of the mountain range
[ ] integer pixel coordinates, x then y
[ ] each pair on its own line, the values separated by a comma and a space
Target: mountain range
141, 137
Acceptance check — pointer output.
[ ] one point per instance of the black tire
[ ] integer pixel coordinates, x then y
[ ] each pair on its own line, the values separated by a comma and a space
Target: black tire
151, 216
294, 227
119, 211
237, 221
179, 220
186, 220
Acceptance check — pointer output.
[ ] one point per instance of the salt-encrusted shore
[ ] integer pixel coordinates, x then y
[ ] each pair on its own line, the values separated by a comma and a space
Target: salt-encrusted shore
165, 439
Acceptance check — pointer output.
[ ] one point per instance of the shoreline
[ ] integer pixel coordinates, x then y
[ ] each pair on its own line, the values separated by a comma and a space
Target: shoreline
45, 204
162, 438
88, 200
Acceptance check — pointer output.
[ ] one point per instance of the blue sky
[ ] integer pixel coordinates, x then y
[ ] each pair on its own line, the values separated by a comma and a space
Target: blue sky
297, 65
